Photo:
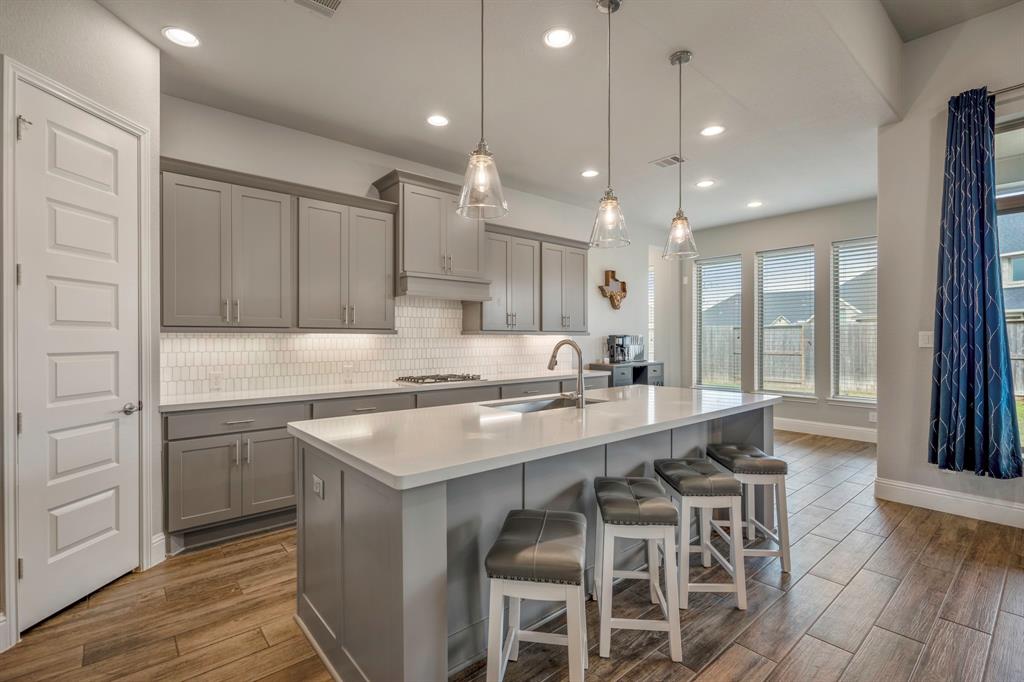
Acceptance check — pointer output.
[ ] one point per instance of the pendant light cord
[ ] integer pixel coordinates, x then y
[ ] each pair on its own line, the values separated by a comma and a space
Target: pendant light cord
481, 70
609, 95
680, 154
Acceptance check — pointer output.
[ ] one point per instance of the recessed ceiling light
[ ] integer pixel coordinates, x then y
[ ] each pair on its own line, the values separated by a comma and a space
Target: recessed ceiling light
706, 183
180, 36
437, 120
711, 131
590, 173
755, 204
558, 37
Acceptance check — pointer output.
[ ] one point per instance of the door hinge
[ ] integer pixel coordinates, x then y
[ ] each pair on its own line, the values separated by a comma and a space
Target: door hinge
17, 274
19, 422
21, 568
20, 124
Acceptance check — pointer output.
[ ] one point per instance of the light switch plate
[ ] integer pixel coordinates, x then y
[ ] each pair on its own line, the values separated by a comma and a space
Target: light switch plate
318, 486
873, 417
925, 339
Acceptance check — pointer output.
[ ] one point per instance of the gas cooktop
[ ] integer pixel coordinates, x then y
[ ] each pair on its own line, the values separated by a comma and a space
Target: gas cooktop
437, 378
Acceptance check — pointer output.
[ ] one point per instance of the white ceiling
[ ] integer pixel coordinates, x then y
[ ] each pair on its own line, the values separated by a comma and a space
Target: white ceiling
801, 113
916, 18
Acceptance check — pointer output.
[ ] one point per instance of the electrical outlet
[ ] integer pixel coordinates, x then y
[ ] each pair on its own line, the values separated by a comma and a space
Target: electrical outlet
318, 486
873, 417
216, 379
925, 339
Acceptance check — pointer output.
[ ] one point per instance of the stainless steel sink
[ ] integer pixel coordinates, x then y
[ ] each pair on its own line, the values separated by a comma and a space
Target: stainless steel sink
555, 403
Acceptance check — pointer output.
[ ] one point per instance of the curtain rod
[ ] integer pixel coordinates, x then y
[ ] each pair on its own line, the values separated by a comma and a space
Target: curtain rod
1000, 91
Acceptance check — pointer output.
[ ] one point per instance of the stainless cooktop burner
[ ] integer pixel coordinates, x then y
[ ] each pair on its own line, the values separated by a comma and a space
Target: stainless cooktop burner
437, 378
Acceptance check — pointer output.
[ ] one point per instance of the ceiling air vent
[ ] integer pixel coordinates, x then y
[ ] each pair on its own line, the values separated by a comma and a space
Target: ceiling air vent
324, 7
665, 161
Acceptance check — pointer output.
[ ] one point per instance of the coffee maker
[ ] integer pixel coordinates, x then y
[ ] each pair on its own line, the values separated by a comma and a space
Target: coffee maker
625, 348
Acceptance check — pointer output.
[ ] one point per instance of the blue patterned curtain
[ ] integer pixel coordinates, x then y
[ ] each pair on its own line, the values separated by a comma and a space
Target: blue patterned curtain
973, 417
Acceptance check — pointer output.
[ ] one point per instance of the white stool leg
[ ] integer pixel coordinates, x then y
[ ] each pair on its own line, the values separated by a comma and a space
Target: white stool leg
514, 621
598, 554
783, 514
736, 554
495, 660
684, 553
573, 624
583, 627
607, 564
652, 569
705, 537
675, 645
751, 495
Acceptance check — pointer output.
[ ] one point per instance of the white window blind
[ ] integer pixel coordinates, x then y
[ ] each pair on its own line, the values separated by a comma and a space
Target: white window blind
784, 318
855, 318
650, 312
718, 333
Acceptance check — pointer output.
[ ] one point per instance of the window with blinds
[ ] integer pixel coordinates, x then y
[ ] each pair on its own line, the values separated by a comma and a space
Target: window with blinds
855, 319
719, 322
784, 319
650, 312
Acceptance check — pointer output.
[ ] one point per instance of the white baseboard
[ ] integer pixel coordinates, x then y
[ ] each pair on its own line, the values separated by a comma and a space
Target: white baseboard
8, 634
861, 433
159, 551
952, 502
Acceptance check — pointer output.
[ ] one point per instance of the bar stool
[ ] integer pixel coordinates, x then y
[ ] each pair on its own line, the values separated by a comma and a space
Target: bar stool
752, 467
540, 555
698, 484
637, 508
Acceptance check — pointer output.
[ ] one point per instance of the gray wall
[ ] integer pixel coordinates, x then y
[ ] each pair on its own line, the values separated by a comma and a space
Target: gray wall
83, 46
989, 51
819, 227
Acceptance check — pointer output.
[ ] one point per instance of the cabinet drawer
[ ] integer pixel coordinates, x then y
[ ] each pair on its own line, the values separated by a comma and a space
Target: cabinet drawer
531, 389
455, 396
589, 383
622, 376
655, 370
343, 407
234, 420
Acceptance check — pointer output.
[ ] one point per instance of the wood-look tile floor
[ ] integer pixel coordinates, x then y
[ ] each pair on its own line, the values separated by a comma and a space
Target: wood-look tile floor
878, 591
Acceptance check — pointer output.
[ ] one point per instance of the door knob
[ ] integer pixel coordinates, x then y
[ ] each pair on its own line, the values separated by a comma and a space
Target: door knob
131, 408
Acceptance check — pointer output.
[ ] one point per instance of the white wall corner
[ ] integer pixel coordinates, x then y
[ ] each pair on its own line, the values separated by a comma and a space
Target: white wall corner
952, 502
861, 433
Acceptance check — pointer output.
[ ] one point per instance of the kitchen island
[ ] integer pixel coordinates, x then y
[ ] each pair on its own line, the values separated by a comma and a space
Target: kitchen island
396, 511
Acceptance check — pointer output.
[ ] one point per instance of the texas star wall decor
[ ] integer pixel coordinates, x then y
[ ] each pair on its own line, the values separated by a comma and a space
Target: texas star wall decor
613, 289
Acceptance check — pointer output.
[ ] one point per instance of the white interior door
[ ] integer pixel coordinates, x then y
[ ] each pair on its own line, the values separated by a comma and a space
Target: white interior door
76, 195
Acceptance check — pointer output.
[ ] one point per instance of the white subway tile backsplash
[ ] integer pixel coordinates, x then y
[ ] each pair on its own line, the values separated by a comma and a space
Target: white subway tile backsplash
429, 340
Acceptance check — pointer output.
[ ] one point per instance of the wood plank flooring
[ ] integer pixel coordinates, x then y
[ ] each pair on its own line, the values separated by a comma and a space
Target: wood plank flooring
878, 590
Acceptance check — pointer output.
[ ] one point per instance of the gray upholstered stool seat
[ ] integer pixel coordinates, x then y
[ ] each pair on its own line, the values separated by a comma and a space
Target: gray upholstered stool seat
634, 502
746, 459
540, 546
696, 477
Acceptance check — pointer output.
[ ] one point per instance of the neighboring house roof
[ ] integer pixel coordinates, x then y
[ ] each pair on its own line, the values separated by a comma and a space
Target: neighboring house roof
793, 306
857, 292
1011, 232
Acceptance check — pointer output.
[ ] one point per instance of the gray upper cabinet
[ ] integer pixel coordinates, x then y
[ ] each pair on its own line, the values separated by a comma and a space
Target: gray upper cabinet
513, 266
227, 255
496, 313
261, 256
346, 267
196, 251
268, 471
524, 284
564, 289
204, 481
440, 254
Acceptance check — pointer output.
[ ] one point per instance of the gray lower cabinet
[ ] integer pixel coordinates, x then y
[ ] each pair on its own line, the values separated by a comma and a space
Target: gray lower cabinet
563, 289
530, 389
204, 481
268, 471
589, 383
346, 267
344, 407
455, 396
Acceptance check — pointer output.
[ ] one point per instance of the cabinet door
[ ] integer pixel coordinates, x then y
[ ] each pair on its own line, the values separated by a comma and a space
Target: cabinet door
552, 263
496, 311
464, 242
371, 276
261, 248
196, 251
423, 227
524, 284
268, 475
323, 264
574, 289
204, 481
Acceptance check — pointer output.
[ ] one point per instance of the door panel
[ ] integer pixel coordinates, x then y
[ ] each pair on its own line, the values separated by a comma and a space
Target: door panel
464, 242
204, 481
323, 264
423, 227
268, 474
552, 263
574, 296
261, 248
196, 251
76, 221
496, 311
524, 283
371, 270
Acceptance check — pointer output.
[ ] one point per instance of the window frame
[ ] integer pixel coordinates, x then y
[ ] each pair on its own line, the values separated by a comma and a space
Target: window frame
697, 321
834, 380
759, 328
651, 310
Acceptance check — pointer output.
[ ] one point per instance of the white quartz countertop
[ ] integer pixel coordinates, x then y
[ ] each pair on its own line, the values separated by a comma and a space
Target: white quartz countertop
412, 448
266, 396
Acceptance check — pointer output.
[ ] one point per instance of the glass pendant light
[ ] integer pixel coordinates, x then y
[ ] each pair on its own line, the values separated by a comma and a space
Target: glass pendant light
680, 242
482, 197
610, 224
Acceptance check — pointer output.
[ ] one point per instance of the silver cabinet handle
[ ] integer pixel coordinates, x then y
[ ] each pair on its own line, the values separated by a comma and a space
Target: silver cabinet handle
530, 392
444, 263
227, 310
508, 319
364, 409
234, 422
238, 310
344, 312
248, 451
238, 460
351, 314
449, 263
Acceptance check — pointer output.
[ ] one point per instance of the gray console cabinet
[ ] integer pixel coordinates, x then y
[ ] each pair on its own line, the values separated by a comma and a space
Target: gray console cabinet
204, 481
268, 471
563, 289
